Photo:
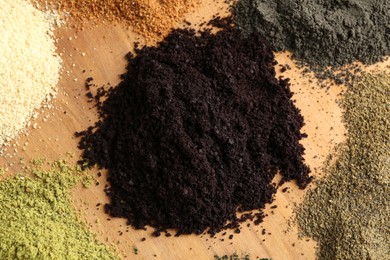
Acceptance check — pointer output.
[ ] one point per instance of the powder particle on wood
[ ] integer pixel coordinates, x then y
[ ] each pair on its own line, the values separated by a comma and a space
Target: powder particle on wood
348, 213
152, 18
197, 129
29, 66
234, 256
321, 33
37, 220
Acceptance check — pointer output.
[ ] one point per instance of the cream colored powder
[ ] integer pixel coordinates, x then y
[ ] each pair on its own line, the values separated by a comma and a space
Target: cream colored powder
29, 65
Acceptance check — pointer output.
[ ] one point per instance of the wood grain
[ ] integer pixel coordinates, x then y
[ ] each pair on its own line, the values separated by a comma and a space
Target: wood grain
99, 52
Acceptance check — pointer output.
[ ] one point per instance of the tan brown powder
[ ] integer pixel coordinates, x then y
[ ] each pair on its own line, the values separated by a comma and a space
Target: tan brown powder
149, 18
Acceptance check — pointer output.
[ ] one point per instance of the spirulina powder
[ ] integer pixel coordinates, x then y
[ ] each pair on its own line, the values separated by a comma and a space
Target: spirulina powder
321, 33
37, 220
348, 213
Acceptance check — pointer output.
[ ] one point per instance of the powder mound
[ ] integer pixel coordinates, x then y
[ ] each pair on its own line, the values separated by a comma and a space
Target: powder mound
153, 18
321, 33
197, 130
352, 204
37, 220
29, 65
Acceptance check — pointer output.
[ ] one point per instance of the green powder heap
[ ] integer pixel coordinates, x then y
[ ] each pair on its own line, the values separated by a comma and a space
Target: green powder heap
37, 220
348, 213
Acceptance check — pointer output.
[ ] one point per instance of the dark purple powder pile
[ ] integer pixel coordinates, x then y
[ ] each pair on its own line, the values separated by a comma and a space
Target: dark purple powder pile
195, 132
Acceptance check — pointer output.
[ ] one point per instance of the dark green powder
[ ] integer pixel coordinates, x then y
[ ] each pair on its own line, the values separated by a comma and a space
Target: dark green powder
321, 33
37, 220
348, 213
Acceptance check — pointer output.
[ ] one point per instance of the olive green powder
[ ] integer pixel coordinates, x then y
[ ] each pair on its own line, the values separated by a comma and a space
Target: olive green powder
37, 220
348, 212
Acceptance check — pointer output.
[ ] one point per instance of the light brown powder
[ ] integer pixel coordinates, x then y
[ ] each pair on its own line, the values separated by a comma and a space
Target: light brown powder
149, 18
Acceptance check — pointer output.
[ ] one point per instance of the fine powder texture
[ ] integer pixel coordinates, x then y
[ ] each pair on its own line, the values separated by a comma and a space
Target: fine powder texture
197, 130
37, 220
149, 18
348, 213
29, 67
321, 33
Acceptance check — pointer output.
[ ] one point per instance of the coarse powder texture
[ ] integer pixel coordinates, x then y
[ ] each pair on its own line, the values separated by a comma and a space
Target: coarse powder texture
29, 66
348, 213
152, 18
321, 33
197, 130
37, 220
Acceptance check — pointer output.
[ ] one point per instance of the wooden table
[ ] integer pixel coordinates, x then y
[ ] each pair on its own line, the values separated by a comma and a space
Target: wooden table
99, 51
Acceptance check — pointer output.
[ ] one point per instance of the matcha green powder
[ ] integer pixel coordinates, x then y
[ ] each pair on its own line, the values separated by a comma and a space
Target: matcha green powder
349, 212
37, 220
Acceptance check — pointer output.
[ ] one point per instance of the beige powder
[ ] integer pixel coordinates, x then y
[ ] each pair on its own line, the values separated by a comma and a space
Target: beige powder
29, 66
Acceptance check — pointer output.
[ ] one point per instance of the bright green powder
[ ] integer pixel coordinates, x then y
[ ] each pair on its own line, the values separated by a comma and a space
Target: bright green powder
37, 220
349, 212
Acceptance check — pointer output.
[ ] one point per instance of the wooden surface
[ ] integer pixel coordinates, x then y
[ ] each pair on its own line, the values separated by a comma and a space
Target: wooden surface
100, 50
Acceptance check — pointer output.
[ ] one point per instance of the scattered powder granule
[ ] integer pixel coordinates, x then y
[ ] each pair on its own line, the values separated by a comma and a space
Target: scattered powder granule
29, 65
348, 212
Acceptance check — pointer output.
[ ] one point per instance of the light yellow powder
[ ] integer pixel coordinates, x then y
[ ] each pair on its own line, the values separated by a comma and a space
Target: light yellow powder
29, 65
